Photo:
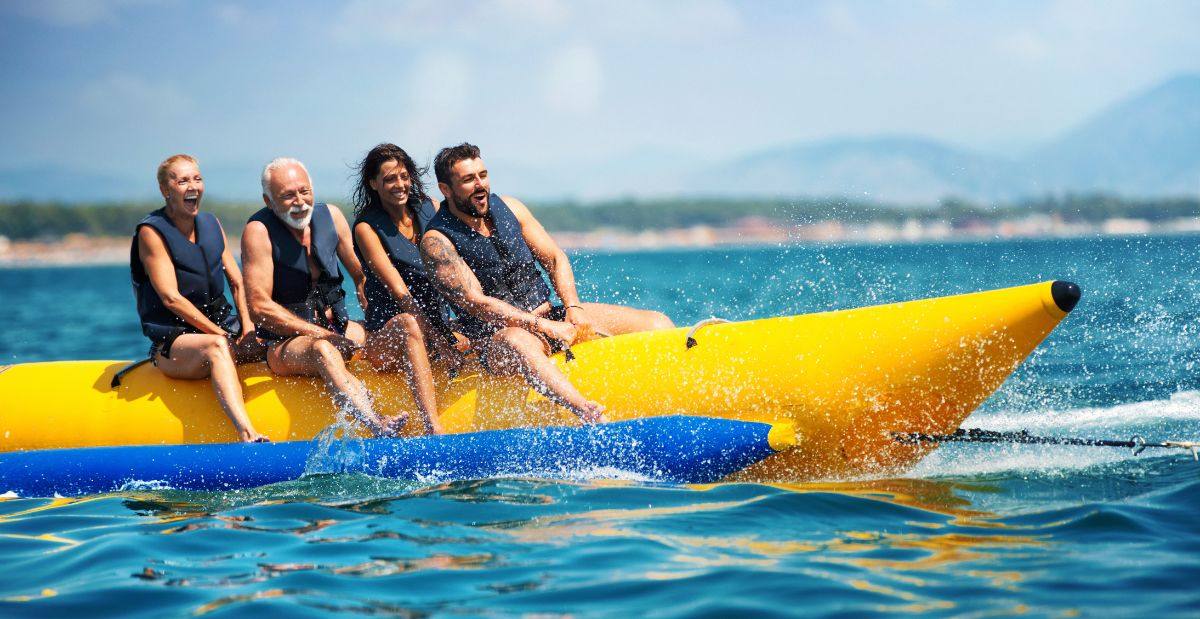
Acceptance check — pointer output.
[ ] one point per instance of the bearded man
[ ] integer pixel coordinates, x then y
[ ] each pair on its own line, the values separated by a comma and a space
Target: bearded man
483, 252
290, 253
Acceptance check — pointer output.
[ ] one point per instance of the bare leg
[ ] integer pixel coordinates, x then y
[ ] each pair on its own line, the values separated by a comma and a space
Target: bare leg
195, 356
400, 347
356, 333
308, 356
516, 351
618, 319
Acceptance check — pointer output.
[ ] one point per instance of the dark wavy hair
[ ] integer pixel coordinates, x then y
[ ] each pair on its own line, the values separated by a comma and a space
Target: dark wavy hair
365, 198
447, 157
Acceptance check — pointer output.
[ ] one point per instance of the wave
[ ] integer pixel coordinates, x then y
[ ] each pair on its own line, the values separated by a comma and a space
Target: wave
1179, 407
1173, 418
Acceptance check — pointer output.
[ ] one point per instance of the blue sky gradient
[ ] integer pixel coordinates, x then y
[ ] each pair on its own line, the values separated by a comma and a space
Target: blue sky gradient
552, 90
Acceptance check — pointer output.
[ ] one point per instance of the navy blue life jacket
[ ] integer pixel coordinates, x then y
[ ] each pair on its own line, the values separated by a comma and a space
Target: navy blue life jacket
406, 258
503, 262
292, 283
199, 275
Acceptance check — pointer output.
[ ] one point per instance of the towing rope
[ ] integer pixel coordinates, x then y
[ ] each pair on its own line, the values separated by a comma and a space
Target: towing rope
977, 435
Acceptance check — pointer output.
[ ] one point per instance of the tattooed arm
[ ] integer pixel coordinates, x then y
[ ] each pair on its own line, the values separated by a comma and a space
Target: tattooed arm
455, 280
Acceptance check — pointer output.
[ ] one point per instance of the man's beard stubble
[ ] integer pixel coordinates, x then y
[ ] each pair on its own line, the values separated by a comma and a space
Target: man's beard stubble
466, 206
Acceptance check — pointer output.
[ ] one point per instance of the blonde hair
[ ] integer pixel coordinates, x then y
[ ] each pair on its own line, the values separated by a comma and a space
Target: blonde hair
164, 168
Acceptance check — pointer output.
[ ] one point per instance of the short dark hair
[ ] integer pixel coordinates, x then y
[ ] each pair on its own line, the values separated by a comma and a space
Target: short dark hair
366, 198
447, 157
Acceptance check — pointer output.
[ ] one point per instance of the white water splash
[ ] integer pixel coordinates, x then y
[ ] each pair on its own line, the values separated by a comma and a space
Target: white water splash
1174, 418
1182, 406
139, 485
338, 449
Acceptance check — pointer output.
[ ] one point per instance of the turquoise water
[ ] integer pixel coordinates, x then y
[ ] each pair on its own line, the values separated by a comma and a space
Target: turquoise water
972, 530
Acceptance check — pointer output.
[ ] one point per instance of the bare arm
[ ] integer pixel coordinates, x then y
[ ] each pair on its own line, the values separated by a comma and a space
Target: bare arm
546, 251
455, 280
378, 261
259, 281
234, 275
345, 252
161, 271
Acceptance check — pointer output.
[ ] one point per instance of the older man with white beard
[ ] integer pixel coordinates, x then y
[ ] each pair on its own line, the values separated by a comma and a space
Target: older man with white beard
290, 253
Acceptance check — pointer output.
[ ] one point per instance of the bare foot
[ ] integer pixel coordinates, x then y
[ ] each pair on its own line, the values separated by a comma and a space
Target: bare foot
393, 425
593, 412
252, 436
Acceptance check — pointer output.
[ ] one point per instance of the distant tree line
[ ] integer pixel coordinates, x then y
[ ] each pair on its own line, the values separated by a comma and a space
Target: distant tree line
676, 213
34, 220
39, 220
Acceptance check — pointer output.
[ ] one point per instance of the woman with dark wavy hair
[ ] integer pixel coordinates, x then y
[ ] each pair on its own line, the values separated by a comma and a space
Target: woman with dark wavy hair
407, 321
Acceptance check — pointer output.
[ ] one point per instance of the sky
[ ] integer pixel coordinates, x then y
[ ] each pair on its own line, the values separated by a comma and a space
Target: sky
553, 91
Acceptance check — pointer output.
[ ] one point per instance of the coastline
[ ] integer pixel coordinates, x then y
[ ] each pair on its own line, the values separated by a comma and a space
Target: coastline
81, 249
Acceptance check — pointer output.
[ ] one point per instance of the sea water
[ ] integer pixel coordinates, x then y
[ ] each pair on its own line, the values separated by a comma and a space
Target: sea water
973, 530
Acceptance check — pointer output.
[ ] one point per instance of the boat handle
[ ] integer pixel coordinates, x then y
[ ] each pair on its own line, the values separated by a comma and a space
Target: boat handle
691, 334
116, 379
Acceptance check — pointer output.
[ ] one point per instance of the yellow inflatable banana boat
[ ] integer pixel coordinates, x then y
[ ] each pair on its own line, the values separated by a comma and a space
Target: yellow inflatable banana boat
845, 380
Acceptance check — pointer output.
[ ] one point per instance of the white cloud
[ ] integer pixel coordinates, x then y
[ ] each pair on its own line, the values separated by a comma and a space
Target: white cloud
375, 20
541, 14
513, 23
231, 14
573, 80
437, 97
123, 95
676, 20
77, 13
841, 20
1024, 45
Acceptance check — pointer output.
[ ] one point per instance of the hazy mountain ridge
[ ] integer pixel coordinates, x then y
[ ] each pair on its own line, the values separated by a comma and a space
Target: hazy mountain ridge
1146, 145
1149, 143
892, 169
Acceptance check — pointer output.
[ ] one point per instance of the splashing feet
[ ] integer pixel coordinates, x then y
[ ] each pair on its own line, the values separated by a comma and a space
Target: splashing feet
593, 412
392, 426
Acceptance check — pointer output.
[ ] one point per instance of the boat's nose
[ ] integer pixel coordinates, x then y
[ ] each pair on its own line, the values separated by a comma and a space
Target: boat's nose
1066, 295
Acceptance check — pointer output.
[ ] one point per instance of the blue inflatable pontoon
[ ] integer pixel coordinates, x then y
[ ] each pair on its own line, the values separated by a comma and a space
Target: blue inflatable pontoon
679, 449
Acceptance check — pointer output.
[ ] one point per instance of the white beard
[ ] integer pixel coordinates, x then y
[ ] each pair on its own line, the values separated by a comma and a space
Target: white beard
298, 224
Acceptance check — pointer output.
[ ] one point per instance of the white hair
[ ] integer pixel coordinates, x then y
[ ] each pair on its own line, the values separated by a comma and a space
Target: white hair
274, 165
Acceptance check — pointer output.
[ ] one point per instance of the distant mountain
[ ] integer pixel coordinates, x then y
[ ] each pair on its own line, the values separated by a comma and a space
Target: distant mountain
1147, 145
892, 169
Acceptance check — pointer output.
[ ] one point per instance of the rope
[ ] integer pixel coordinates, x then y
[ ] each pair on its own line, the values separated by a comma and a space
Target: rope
977, 435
